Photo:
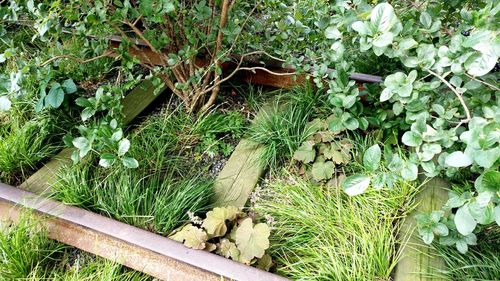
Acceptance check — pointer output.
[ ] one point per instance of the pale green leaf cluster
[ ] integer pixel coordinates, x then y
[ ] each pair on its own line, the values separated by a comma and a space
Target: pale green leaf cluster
228, 232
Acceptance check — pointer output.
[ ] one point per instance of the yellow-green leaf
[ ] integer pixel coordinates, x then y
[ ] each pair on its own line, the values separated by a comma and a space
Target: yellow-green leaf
215, 223
265, 263
228, 249
191, 236
252, 241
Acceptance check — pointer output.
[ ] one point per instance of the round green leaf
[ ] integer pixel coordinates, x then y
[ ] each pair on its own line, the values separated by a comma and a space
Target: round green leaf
383, 40
55, 97
462, 246
123, 147
107, 159
81, 142
383, 17
486, 158
411, 139
409, 171
464, 221
371, 158
360, 27
351, 123
458, 159
356, 184
427, 235
332, 33
481, 64
87, 113
441, 229
69, 86
425, 19
386, 94
130, 162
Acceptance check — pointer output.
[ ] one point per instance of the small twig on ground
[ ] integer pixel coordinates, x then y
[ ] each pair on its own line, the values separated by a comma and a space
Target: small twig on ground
106, 54
483, 82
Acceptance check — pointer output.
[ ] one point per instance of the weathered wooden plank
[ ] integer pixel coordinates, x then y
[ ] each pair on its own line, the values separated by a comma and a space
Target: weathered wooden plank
240, 175
133, 104
419, 261
141, 250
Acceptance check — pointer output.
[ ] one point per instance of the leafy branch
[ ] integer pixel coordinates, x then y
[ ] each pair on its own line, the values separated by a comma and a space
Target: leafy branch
458, 94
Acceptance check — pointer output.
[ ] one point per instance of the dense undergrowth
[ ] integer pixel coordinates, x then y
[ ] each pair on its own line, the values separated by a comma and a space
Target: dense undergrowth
26, 253
435, 114
171, 180
28, 135
280, 124
322, 234
25, 140
482, 263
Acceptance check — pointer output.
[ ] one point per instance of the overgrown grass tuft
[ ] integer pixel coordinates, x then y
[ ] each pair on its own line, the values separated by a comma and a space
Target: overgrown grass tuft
281, 126
481, 262
27, 254
323, 234
150, 202
26, 139
23, 248
158, 195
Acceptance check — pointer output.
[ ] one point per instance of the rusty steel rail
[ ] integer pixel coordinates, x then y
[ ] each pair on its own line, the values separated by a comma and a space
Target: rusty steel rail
141, 250
138, 249
257, 77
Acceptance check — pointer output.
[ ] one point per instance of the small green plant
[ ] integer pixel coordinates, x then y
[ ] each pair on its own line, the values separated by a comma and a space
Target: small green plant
230, 233
323, 151
281, 127
103, 135
474, 209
